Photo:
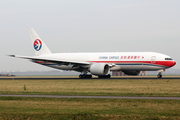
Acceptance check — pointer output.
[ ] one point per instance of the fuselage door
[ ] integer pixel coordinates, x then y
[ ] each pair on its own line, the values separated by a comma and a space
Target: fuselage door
153, 59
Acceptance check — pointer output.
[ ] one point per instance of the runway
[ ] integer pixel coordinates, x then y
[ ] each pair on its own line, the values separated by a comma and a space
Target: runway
94, 78
94, 97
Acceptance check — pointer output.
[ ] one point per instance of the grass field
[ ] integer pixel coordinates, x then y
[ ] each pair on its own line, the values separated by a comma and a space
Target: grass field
18, 108
78, 109
104, 87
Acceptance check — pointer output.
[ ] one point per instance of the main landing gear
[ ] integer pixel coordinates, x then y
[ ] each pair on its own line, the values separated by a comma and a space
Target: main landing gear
85, 76
104, 76
90, 76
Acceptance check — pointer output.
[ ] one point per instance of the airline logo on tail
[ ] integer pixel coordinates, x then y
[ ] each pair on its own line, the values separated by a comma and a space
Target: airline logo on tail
37, 44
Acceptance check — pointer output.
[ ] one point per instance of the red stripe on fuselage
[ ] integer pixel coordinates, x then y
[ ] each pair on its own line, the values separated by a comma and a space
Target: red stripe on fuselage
162, 63
41, 62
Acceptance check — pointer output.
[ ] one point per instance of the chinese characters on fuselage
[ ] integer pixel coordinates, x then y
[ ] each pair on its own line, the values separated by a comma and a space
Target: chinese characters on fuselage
121, 57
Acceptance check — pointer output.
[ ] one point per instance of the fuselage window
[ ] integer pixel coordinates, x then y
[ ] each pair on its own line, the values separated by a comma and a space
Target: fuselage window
168, 59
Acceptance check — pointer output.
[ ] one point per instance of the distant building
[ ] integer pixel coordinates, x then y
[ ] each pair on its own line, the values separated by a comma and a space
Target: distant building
8, 75
142, 73
120, 73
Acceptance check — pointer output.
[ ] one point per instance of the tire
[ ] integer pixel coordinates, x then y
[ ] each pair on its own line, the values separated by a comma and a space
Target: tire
85, 76
159, 76
89, 76
109, 76
80, 76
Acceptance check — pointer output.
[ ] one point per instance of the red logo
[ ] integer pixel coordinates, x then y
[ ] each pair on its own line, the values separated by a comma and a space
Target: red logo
37, 44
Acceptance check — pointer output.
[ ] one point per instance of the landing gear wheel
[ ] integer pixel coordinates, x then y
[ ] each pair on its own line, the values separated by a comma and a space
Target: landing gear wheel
159, 76
85, 76
80, 76
88, 76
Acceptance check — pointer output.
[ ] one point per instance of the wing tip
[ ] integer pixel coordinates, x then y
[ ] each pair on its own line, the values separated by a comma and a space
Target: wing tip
12, 55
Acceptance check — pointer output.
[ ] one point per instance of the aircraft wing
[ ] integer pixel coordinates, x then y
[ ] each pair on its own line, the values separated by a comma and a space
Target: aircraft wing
54, 60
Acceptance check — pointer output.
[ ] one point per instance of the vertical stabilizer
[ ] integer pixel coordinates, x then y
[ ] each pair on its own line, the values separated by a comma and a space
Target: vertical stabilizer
39, 46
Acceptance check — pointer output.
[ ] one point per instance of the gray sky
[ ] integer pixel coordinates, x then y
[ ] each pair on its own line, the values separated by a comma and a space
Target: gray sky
88, 26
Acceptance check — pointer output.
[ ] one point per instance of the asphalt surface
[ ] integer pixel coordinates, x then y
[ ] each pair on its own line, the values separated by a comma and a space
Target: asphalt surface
75, 78
94, 97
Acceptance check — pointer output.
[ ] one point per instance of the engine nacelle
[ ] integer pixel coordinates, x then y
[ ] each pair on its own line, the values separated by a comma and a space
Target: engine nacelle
135, 72
99, 69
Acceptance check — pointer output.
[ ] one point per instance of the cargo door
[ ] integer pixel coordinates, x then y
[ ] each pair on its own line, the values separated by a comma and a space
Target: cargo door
153, 59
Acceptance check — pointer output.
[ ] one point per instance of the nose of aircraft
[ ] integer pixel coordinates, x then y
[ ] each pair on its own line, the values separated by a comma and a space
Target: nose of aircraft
172, 63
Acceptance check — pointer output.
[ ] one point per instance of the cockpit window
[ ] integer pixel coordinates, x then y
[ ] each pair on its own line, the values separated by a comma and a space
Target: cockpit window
168, 59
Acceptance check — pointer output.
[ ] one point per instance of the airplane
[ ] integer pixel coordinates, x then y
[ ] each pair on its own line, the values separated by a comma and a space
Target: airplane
98, 64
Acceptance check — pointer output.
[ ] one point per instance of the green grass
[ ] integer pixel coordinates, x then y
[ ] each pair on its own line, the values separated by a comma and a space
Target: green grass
18, 108
103, 87
51, 108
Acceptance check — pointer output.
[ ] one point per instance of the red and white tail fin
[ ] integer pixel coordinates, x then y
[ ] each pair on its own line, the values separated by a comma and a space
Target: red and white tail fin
39, 46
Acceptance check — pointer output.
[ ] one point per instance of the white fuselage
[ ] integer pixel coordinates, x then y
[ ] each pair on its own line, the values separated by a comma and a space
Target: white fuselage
143, 61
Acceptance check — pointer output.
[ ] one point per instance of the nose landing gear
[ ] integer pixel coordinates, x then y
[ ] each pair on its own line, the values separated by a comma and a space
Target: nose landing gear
159, 75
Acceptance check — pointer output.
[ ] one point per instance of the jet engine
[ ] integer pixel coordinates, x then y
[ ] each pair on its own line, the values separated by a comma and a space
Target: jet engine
135, 72
99, 69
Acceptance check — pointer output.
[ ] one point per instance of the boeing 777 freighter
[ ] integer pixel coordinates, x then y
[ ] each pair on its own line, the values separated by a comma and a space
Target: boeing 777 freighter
99, 64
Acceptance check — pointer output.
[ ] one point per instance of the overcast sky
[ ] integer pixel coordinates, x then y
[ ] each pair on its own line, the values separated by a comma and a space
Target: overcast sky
88, 26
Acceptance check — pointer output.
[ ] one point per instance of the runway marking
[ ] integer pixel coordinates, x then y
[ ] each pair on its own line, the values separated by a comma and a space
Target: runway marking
94, 97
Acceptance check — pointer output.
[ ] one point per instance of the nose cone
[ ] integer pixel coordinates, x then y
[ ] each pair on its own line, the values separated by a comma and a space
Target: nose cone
170, 63
173, 63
